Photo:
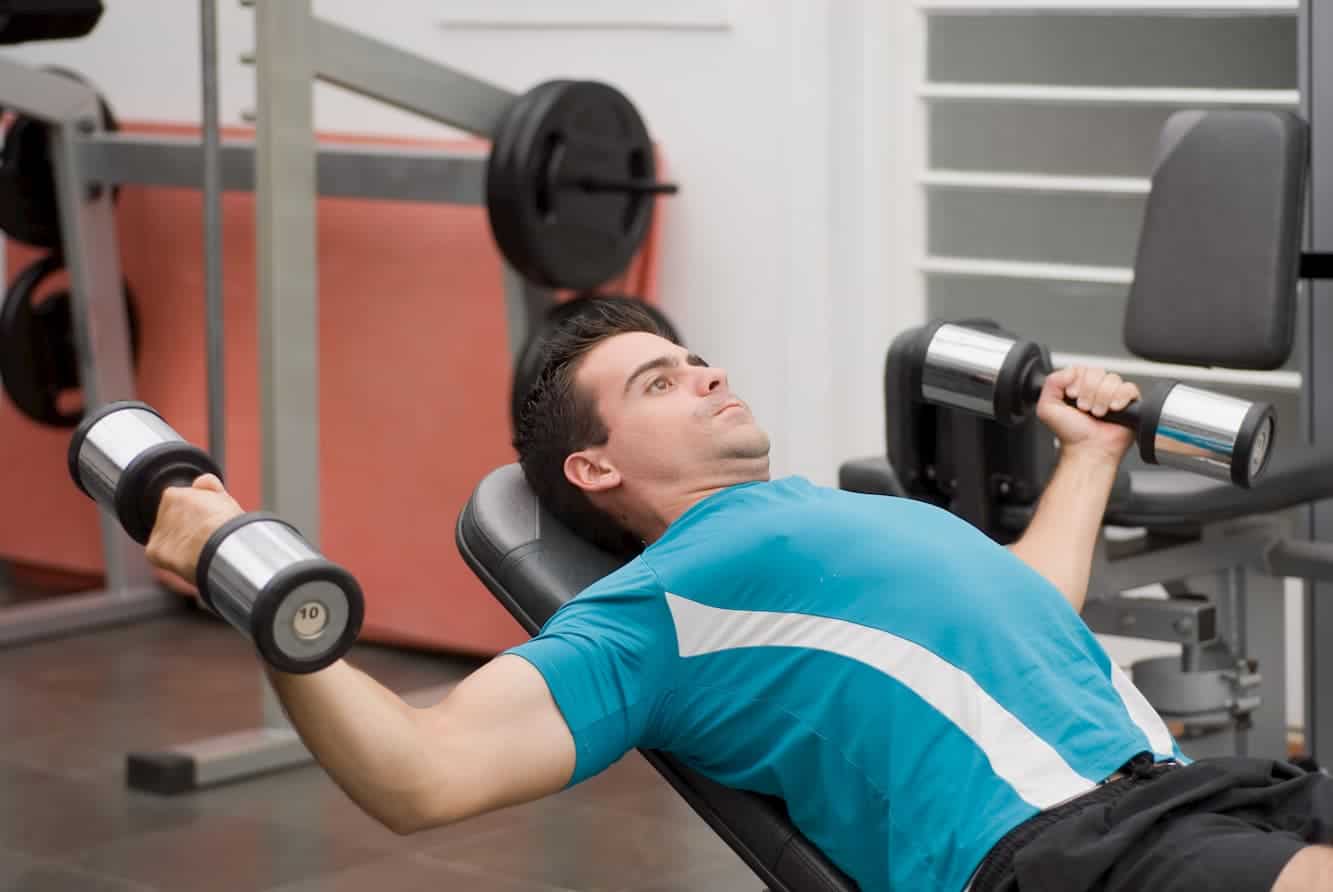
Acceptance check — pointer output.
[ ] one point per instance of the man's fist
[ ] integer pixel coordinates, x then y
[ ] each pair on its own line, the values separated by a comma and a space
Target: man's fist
1097, 392
186, 517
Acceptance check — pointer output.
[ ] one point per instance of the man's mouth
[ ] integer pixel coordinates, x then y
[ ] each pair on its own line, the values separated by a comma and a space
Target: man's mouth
729, 404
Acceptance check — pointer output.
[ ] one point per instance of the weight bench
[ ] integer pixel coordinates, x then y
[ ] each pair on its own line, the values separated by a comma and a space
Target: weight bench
533, 564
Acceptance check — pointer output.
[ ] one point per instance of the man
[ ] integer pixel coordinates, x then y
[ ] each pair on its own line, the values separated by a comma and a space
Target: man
928, 703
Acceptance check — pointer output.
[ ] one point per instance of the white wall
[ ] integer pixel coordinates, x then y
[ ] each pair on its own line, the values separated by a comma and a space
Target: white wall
790, 125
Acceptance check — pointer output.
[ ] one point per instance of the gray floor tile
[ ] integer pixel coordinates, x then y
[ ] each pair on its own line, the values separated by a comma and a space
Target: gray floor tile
409, 873
20, 873
735, 876
225, 854
72, 709
49, 816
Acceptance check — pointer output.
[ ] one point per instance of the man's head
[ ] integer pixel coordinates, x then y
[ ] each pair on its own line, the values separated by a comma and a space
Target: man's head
625, 428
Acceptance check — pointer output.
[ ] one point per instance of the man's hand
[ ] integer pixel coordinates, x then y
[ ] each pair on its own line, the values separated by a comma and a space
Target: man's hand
1097, 392
186, 517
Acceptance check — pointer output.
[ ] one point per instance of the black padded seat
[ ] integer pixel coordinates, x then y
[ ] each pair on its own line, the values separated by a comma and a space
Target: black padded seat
533, 564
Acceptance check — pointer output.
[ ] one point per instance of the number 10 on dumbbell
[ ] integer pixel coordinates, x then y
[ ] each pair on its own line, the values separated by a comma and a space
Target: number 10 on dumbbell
301, 611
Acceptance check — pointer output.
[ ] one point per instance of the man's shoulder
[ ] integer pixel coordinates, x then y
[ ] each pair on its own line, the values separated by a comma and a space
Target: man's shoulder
635, 576
627, 599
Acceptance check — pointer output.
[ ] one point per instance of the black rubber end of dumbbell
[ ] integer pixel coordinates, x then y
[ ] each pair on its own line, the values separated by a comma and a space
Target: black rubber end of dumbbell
288, 578
165, 773
210, 549
1256, 418
1023, 360
173, 462
89, 421
1150, 417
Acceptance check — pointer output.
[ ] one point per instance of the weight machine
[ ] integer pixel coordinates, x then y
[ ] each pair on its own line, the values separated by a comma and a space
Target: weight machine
1216, 278
569, 186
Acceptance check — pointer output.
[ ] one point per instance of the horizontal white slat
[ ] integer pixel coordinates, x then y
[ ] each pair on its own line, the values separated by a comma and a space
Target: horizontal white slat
1174, 7
1182, 96
707, 15
1025, 182
1017, 269
1281, 380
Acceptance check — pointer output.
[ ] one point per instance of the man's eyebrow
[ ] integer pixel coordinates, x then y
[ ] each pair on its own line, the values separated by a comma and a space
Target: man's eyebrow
662, 362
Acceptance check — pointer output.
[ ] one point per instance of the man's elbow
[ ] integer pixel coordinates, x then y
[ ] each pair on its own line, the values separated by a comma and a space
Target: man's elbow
407, 821
409, 813
406, 827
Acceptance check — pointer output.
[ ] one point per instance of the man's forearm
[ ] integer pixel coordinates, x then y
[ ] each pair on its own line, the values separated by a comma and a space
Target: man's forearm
1062, 536
369, 741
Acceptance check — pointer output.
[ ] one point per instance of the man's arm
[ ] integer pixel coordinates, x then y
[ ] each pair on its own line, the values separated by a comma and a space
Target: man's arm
497, 739
1060, 541
1062, 536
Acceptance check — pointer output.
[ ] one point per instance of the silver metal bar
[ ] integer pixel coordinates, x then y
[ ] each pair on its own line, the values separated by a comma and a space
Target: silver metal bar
525, 307
1245, 548
71, 614
1302, 559
213, 332
44, 95
245, 754
288, 273
389, 173
1157, 619
101, 326
1316, 86
403, 80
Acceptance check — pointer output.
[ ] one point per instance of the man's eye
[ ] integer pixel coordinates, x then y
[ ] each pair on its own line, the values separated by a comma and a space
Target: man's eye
659, 384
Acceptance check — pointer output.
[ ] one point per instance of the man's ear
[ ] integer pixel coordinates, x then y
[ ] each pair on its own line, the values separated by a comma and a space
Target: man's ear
589, 470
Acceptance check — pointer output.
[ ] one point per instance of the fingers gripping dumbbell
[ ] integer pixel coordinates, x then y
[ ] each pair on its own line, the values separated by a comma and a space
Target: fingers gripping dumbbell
1177, 425
302, 611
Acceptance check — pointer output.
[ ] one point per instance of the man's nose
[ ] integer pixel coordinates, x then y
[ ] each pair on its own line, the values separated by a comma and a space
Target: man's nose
713, 379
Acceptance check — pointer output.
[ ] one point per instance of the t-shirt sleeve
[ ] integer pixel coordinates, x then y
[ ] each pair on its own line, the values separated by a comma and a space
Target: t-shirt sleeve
607, 657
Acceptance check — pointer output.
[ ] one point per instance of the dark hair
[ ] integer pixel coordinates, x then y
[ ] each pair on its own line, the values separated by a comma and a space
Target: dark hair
558, 418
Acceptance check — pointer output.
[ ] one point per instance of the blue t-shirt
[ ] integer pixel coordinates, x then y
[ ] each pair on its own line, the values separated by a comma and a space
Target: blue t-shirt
910, 688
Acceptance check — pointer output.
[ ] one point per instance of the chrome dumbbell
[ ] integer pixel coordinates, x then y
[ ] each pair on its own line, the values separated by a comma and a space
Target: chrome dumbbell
301, 611
1177, 425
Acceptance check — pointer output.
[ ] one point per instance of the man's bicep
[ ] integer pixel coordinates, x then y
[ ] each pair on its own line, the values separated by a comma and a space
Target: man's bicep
501, 740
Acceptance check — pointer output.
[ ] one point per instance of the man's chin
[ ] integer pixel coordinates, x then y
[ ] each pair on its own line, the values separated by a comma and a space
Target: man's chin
754, 444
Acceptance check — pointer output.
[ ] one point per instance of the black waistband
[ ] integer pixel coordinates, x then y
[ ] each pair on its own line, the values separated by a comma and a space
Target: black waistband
999, 861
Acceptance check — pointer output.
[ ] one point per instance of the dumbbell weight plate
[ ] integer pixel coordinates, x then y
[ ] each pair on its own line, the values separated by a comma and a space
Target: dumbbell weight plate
124, 454
301, 611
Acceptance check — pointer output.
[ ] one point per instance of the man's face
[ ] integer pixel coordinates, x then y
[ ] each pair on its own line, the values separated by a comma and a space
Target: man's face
672, 418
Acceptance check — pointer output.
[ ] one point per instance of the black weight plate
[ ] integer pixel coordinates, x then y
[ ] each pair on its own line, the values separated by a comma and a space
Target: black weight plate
504, 196
38, 357
531, 357
29, 211
552, 233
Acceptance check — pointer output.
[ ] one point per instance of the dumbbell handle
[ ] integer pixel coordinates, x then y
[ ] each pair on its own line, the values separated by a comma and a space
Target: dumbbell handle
1127, 417
182, 469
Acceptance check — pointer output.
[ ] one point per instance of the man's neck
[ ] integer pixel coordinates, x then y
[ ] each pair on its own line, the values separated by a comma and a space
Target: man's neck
675, 503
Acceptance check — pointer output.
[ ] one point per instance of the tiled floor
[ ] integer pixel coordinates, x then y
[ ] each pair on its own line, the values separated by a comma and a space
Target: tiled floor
70, 710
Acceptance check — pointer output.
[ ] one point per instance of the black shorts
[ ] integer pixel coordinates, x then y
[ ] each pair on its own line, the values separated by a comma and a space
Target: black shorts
1226, 824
